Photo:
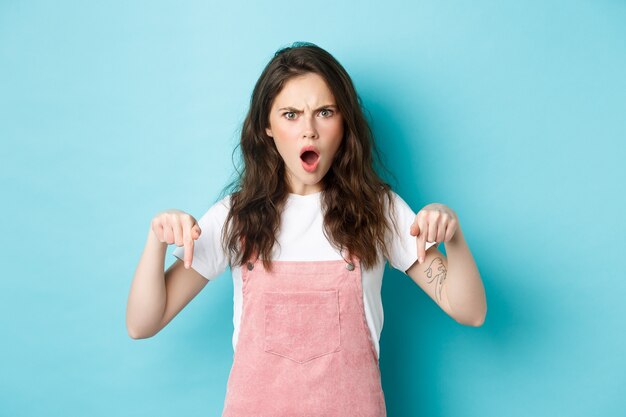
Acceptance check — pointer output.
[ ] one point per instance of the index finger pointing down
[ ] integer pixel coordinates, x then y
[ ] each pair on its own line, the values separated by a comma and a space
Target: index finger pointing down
188, 243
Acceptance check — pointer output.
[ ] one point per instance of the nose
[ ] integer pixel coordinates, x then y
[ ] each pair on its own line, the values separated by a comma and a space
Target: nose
310, 130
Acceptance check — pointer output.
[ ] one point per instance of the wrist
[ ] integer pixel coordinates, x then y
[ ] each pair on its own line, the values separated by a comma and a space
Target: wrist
153, 240
456, 238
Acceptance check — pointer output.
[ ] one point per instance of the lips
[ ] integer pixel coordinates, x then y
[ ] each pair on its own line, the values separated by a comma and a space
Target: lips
310, 157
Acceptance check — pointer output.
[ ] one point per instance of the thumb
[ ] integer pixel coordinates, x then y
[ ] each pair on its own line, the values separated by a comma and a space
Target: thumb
196, 231
415, 229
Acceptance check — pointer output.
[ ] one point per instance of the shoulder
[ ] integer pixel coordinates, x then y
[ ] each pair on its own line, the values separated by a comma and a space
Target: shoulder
223, 203
396, 206
395, 197
218, 211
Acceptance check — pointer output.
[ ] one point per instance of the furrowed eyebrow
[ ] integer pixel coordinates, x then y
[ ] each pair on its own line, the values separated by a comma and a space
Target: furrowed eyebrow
328, 106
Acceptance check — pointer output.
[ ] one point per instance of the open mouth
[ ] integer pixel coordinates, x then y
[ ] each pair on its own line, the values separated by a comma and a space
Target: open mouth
310, 157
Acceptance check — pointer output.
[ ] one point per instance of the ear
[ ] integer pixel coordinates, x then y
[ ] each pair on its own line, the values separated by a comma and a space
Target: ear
269, 132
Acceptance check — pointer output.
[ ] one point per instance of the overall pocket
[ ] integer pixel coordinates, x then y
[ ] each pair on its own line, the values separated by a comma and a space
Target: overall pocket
302, 325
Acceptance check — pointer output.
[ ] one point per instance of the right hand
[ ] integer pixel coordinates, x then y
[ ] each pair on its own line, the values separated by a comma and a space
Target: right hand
175, 226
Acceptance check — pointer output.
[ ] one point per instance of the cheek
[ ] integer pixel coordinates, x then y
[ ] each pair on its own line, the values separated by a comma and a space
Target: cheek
282, 136
285, 145
285, 130
334, 132
335, 128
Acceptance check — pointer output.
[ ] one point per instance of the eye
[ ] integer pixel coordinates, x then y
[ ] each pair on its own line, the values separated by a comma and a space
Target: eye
326, 112
290, 115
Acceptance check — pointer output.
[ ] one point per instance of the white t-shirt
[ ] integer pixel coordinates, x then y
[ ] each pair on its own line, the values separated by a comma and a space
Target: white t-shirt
301, 238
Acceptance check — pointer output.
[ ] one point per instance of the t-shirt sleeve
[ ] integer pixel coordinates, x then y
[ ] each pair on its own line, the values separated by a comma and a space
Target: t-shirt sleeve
401, 244
209, 258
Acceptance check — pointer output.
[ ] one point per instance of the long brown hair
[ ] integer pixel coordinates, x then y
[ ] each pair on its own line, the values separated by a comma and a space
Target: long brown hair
355, 199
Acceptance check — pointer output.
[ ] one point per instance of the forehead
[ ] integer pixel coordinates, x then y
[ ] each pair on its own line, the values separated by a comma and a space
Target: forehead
305, 90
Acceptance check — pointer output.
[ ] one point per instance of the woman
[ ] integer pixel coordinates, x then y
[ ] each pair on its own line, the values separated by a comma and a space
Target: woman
306, 231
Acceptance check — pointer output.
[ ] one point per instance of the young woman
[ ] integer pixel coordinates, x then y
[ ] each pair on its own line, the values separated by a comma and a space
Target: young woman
306, 229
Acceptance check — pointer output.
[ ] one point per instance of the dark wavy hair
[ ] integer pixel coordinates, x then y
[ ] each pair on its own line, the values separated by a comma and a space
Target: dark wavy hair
355, 199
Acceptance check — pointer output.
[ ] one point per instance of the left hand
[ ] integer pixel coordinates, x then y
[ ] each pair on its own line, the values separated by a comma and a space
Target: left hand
433, 223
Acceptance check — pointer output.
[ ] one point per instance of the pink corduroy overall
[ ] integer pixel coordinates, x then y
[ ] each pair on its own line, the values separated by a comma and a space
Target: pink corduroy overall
304, 347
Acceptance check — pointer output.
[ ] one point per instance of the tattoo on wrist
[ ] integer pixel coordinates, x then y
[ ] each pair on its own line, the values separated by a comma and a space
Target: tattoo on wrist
436, 272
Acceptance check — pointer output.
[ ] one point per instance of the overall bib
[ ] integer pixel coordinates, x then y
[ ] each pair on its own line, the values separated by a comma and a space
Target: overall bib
304, 347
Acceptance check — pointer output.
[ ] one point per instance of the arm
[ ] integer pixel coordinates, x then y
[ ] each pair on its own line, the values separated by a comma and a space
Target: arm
454, 283
156, 296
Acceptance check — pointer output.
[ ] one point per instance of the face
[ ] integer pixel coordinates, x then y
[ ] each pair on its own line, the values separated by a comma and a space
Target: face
307, 129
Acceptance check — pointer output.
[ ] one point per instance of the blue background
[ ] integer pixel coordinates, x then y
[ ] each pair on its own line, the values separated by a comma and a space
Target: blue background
511, 113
